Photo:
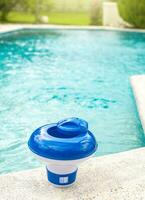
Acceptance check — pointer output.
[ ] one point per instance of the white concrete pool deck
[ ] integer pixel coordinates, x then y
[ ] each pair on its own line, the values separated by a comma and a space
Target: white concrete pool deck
113, 177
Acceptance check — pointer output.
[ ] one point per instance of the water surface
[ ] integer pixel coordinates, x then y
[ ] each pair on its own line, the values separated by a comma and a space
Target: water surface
48, 75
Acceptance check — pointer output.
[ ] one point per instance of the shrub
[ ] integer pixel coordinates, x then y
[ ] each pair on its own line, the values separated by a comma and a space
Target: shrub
8, 5
133, 11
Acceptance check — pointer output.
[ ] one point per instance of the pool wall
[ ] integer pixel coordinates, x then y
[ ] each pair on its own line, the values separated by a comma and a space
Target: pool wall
138, 85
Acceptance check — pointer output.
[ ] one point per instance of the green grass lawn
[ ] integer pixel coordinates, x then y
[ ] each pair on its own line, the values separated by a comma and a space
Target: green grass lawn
69, 18
54, 18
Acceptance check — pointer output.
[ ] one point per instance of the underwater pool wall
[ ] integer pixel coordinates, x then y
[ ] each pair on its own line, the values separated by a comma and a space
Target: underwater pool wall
138, 86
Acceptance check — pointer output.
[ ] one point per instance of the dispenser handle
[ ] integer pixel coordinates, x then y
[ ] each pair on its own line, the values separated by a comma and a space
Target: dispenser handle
72, 126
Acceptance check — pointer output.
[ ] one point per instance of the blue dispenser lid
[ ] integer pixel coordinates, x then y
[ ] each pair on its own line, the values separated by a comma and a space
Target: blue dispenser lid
68, 139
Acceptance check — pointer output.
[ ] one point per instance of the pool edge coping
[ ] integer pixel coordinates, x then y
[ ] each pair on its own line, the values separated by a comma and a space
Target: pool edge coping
11, 27
115, 176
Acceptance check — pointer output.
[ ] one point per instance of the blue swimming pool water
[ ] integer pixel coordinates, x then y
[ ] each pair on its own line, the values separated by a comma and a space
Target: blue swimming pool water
49, 75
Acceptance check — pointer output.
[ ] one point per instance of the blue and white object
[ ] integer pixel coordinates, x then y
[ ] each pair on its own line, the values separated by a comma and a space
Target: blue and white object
62, 146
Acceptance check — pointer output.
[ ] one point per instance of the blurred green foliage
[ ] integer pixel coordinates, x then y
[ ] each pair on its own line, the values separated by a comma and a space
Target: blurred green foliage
74, 12
30, 6
96, 12
41, 5
8, 5
37, 7
133, 11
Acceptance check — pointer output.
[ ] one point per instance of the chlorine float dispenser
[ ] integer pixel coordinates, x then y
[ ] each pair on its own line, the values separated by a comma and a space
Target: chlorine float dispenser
62, 146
